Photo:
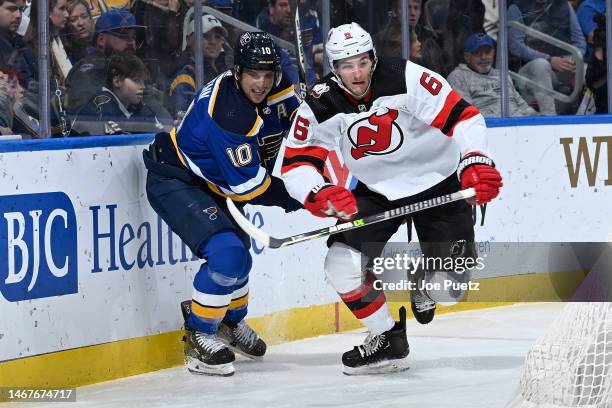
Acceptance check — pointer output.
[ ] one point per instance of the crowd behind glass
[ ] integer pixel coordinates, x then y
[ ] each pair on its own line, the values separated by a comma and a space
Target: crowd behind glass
128, 66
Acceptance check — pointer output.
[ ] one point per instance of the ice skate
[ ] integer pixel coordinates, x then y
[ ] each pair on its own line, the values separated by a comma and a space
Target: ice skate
241, 338
380, 354
205, 353
423, 307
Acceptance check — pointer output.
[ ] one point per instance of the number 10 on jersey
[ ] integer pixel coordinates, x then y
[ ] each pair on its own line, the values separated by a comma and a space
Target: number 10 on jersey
240, 156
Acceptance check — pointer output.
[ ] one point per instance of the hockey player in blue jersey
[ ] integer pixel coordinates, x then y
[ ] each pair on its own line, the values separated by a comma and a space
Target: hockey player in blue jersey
225, 146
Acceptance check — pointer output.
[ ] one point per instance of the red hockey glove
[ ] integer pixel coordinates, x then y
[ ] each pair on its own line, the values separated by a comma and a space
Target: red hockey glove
328, 200
478, 171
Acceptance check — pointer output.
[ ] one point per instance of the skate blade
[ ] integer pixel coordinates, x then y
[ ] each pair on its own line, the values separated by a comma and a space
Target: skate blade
244, 354
382, 367
195, 366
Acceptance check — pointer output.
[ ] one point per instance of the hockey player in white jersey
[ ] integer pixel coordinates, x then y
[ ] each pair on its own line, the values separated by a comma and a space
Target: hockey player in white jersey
406, 136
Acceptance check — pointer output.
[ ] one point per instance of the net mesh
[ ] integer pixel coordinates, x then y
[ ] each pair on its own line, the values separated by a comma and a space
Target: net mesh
571, 365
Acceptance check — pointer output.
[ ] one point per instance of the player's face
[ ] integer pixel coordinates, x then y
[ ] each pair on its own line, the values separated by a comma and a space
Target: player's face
355, 72
481, 60
256, 84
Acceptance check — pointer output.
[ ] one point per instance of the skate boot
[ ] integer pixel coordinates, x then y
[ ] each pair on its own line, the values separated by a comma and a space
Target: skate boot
380, 354
205, 353
423, 307
241, 338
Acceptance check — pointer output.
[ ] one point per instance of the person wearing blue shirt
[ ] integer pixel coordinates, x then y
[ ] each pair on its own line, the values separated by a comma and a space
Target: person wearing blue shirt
549, 66
585, 12
225, 146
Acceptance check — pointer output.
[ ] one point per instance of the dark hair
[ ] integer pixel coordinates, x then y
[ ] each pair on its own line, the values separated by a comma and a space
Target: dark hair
124, 65
599, 34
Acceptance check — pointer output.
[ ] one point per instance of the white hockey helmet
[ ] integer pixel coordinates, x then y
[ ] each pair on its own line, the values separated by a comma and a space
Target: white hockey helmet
348, 40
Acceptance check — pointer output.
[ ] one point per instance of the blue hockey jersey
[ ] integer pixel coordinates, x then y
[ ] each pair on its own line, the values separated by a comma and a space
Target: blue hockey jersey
230, 142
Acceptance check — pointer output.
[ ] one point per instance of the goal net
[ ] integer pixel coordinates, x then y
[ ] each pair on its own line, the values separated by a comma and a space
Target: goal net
571, 364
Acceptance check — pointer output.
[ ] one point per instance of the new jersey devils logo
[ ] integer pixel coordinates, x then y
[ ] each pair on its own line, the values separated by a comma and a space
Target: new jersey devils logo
376, 134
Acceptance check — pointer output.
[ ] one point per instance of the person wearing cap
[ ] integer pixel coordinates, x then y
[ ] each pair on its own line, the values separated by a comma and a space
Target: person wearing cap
116, 31
478, 82
183, 85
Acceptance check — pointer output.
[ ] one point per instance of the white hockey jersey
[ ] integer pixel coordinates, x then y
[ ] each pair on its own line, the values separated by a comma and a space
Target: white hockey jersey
405, 137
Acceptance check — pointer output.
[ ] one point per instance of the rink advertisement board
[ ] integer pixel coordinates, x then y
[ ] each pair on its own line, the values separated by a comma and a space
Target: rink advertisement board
84, 260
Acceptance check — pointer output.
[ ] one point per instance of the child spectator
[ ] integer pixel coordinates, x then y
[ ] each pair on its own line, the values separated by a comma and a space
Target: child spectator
119, 106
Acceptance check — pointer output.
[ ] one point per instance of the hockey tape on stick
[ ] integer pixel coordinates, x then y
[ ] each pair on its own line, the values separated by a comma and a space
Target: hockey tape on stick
271, 242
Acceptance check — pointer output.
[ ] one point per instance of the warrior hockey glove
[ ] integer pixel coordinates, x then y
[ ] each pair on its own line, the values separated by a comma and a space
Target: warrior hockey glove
328, 200
478, 171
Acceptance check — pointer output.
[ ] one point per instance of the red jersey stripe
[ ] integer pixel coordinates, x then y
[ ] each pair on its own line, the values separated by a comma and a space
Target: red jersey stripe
451, 100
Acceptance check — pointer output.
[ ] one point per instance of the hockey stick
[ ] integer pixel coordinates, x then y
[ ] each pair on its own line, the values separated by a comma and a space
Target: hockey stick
299, 53
272, 242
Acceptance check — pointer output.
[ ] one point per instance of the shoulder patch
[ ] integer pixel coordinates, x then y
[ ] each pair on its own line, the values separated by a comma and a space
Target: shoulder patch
319, 89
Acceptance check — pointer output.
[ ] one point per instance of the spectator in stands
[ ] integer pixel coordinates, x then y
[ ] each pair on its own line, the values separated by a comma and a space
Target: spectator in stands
389, 39
247, 10
162, 38
276, 20
312, 41
60, 65
479, 83
464, 18
10, 90
416, 48
119, 106
490, 22
586, 13
13, 50
539, 61
183, 85
596, 75
79, 30
115, 32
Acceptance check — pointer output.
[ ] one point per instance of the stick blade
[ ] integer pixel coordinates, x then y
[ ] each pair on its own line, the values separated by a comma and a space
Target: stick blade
254, 232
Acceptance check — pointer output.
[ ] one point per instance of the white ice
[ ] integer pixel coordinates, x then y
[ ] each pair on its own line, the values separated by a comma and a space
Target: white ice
462, 360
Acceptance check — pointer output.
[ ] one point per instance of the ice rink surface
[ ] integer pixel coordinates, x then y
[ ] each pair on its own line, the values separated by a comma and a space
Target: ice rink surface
462, 360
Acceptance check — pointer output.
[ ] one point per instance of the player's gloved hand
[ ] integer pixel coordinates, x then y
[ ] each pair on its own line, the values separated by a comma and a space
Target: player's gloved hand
478, 171
328, 200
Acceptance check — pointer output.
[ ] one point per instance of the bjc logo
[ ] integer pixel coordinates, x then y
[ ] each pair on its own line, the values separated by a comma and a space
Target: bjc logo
38, 246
